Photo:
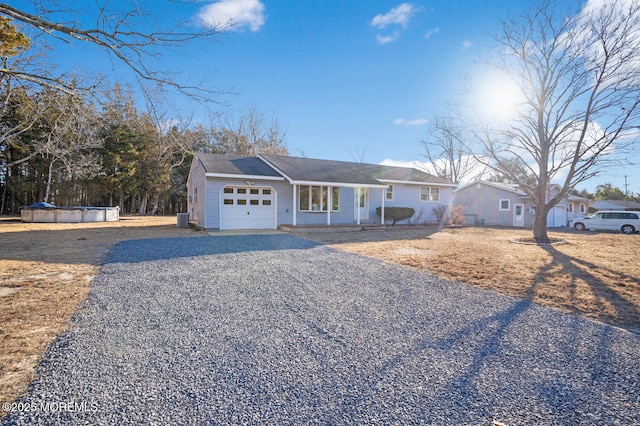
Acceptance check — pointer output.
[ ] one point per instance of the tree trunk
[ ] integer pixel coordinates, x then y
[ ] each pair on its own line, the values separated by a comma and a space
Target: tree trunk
156, 200
49, 178
540, 222
540, 226
142, 209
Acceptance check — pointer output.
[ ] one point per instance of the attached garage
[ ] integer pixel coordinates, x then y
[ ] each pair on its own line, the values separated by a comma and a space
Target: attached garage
247, 207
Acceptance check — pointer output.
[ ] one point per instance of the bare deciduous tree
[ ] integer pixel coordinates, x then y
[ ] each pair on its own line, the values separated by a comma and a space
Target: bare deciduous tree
69, 138
447, 150
128, 32
580, 80
249, 135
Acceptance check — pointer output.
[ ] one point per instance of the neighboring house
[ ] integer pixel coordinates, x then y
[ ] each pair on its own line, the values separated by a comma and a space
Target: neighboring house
615, 205
505, 204
264, 192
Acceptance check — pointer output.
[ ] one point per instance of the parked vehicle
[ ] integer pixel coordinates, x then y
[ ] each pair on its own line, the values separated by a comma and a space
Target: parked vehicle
625, 221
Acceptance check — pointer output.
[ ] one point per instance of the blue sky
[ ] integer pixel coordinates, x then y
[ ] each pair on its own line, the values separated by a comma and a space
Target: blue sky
352, 79
348, 80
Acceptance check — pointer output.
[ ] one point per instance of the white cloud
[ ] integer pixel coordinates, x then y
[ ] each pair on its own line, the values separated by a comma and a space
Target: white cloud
431, 32
466, 44
398, 163
387, 39
237, 13
416, 122
400, 15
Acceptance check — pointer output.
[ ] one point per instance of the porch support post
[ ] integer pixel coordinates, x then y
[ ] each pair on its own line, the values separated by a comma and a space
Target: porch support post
329, 206
384, 195
295, 203
358, 205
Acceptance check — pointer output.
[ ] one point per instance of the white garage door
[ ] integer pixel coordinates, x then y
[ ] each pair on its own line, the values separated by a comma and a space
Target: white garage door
557, 217
247, 207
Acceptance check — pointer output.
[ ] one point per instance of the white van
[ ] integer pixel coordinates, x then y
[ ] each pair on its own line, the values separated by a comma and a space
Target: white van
625, 221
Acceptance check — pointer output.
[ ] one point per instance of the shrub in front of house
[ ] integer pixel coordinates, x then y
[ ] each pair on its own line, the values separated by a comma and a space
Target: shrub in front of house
449, 215
396, 214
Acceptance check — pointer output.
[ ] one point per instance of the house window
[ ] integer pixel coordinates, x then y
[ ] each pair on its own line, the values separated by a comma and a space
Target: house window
195, 194
389, 195
428, 193
316, 198
570, 207
505, 205
582, 208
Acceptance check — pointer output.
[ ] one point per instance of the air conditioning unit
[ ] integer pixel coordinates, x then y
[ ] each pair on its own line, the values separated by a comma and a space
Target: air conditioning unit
183, 220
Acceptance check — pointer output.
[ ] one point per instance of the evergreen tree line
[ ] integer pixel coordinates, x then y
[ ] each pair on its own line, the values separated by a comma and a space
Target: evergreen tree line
68, 150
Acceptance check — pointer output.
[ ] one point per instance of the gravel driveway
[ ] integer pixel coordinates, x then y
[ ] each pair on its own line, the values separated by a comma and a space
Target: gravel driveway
273, 329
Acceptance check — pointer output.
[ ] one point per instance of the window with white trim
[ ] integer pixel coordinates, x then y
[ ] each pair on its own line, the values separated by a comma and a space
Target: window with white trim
505, 205
428, 193
389, 193
195, 194
316, 198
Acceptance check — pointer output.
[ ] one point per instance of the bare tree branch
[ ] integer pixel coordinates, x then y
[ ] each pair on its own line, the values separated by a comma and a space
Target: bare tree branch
579, 77
118, 33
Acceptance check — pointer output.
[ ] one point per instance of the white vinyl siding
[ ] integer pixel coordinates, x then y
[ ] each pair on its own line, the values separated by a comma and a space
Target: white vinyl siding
405, 195
196, 208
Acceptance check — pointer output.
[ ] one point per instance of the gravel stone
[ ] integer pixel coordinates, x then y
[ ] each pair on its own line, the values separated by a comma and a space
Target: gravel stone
273, 329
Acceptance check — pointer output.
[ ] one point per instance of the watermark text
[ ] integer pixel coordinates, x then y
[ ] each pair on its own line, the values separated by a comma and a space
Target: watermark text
50, 407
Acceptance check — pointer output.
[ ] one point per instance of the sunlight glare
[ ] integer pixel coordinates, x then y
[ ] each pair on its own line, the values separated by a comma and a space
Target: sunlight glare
497, 98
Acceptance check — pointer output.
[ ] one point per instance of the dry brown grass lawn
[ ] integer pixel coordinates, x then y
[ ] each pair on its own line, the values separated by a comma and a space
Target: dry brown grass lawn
45, 270
596, 275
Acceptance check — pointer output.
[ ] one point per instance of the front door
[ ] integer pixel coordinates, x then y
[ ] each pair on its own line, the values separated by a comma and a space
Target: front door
518, 215
361, 203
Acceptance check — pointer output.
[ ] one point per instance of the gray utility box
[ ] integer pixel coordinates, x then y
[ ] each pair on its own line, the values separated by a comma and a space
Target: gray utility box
183, 220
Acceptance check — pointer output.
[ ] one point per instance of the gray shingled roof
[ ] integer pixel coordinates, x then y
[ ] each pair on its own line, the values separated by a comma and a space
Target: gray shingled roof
309, 169
406, 174
313, 170
235, 165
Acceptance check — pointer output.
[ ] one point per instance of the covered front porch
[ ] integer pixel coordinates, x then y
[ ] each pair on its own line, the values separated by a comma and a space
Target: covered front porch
333, 201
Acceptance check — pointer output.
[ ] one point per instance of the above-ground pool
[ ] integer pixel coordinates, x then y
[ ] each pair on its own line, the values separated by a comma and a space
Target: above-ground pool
69, 214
